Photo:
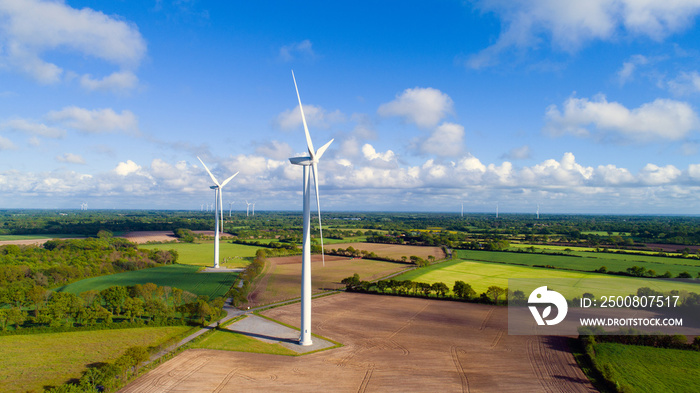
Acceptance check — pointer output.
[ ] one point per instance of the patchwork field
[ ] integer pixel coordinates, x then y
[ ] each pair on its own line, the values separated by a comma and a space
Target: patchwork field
202, 254
638, 368
481, 275
391, 344
282, 277
184, 277
30, 362
395, 251
588, 261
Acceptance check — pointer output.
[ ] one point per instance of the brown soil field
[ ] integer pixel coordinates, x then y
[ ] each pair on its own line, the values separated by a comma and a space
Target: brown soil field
395, 251
391, 344
161, 236
282, 276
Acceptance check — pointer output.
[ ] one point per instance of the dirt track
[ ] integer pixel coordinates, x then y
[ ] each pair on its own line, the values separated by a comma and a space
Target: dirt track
391, 344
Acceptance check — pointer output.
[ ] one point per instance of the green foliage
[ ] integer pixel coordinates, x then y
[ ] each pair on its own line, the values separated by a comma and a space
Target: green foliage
463, 290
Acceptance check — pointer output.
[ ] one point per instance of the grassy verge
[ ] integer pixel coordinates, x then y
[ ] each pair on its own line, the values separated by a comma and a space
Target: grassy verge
202, 254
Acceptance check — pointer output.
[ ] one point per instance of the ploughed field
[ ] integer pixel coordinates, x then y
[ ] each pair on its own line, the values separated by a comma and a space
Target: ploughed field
391, 344
394, 251
281, 279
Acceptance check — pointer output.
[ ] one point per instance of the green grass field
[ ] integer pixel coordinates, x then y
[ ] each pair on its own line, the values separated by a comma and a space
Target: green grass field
588, 261
202, 254
184, 277
481, 275
30, 362
648, 369
227, 340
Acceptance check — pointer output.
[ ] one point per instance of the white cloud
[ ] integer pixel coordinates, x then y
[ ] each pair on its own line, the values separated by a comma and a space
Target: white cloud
32, 28
685, 83
71, 158
445, 141
297, 50
275, 149
694, 171
572, 24
117, 82
315, 117
95, 121
379, 160
626, 73
654, 175
33, 128
127, 168
612, 175
423, 106
660, 119
6, 144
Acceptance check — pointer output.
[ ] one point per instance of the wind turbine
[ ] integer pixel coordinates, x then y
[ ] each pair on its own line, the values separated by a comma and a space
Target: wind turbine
217, 211
538, 211
253, 209
247, 208
306, 162
229, 208
462, 209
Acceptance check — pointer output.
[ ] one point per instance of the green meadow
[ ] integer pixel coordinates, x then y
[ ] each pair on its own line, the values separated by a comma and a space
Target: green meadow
588, 261
648, 369
227, 340
30, 362
481, 275
202, 254
184, 277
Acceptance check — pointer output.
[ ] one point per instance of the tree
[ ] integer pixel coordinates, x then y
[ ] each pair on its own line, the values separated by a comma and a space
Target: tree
463, 290
495, 292
133, 308
440, 288
114, 298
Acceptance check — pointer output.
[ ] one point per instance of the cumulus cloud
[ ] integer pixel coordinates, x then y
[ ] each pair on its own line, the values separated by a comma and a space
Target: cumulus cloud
660, 119
297, 50
70, 158
572, 24
95, 121
654, 175
445, 141
127, 168
31, 28
315, 117
425, 107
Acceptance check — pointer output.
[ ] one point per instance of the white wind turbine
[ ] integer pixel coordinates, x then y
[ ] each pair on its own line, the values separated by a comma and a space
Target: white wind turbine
538, 211
306, 162
229, 208
247, 208
253, 209
217, 211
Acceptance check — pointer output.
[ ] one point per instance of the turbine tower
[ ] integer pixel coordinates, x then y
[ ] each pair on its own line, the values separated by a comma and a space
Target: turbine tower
306, 162
253, 209
247, 208
229, 208
538, 211
217, 211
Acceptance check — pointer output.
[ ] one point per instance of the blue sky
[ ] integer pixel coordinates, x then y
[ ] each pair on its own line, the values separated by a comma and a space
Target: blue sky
580, 107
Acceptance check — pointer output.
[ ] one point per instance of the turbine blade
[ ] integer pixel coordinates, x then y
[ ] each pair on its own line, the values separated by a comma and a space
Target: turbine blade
228, 180
309, 144
322, 149
318, 206
209, 172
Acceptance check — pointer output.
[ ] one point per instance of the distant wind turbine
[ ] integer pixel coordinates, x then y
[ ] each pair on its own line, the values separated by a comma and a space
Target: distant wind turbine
247, 208
217, 211
496, 209
306, 162
538, 211
253, 209
229, 208
462, 209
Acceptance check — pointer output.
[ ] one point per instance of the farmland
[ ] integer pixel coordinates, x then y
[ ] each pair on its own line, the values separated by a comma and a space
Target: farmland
184, 277
481, 275
202, 254
589, 261
30, 362
636, 367
392, 251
